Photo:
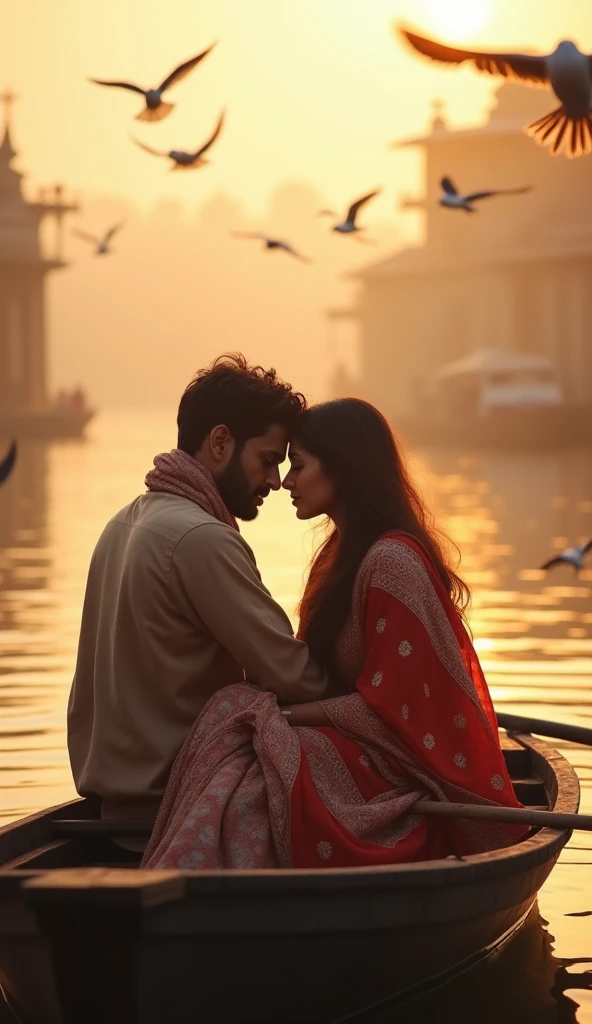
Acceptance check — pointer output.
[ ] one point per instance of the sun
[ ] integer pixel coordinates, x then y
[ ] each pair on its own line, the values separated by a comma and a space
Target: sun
458, 19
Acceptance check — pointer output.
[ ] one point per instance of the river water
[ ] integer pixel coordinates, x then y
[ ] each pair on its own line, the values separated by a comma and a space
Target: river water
507, 514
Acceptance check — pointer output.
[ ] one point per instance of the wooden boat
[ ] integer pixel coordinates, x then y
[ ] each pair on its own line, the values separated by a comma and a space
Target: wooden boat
84, 939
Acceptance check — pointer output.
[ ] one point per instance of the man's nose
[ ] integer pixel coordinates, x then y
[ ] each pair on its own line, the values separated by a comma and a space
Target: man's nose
273, 479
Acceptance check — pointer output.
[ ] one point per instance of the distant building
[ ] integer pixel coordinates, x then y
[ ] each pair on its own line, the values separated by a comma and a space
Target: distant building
514, 275
26, 410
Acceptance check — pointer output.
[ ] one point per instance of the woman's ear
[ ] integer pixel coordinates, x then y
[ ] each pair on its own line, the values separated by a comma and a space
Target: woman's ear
221, 444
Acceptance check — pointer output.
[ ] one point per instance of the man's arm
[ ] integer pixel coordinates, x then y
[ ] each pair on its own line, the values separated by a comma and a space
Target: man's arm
217, 585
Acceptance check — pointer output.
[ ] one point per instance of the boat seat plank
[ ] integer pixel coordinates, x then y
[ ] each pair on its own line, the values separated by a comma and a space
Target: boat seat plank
50, 855
508, 742
95, 828
19, 837
530, 791
105, 887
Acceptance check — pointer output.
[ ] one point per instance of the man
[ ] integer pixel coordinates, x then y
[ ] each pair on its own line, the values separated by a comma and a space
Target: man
174, 606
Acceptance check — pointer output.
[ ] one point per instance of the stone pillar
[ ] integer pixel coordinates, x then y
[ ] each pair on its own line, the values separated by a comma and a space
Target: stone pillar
548, 302
13, 326
576, 340
506, 311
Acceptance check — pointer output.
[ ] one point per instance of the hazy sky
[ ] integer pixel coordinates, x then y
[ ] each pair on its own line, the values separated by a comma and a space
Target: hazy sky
315, 91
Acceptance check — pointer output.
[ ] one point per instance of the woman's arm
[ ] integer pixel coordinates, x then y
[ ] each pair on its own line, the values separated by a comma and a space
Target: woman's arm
306, 714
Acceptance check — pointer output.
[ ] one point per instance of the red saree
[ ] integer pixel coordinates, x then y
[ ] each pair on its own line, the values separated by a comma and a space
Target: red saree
249, 791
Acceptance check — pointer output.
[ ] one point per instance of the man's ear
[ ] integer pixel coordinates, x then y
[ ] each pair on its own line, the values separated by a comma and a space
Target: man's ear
221, 444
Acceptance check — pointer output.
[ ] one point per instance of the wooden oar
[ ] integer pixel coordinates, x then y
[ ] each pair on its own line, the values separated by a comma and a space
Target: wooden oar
554, 730
511, 815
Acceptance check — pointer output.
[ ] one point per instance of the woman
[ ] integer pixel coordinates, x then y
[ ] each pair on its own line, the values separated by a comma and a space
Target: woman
331, 783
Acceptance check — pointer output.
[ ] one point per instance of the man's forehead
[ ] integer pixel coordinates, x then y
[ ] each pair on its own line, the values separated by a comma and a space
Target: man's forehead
275, 439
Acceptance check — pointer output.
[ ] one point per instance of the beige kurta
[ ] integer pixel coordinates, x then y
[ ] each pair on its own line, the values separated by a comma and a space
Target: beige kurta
174, 610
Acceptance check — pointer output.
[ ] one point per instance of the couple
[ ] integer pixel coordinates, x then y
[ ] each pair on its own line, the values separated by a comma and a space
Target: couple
194, 705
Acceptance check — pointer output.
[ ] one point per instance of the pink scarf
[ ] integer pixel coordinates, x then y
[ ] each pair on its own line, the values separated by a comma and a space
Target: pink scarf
177, 473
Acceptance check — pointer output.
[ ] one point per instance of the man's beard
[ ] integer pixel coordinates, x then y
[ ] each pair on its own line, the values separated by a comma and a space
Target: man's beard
235, 492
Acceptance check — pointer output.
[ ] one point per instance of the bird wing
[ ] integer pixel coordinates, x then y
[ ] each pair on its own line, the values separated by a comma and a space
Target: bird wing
518, 66
86, 236
143, 145
212, 138
497, 192
248, 234
119, 85
326, 213
558, 560
586, 547
448, 187
353, 210
113, 231
288, 248
7, 464
179, 73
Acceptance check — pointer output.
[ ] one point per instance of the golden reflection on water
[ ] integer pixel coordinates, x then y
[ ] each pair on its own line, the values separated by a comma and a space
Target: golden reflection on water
506, 513
525, 982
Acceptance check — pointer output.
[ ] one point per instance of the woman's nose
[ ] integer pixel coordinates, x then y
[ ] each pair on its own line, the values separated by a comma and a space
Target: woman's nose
287, 481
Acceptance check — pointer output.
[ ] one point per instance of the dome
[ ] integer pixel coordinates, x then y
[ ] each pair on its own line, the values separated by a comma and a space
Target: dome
516, 102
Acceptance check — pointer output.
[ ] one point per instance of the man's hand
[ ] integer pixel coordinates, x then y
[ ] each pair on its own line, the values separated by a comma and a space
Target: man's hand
310, 714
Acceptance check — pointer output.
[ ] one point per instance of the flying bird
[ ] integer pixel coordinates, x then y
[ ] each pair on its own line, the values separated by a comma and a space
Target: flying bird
571, 556
102, 244
182, 160
156, 108
272, 243
566, 70
348, 226
7, 464
452, 198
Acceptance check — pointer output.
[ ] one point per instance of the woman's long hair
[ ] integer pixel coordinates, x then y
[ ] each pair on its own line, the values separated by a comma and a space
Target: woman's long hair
374, 492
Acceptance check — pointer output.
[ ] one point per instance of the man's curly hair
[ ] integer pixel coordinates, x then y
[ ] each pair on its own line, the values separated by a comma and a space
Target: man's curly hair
246, 399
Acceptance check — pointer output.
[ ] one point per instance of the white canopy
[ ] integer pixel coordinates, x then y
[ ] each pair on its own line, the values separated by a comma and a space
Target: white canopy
493, 360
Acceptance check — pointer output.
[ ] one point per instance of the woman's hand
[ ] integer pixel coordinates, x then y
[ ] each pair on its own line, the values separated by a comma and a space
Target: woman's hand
307, 714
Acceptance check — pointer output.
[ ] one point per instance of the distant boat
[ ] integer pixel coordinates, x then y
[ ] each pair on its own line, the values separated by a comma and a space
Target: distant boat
496, 398
55, 421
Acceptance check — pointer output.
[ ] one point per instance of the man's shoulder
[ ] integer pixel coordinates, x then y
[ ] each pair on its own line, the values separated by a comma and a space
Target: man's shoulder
208, 538
167, 516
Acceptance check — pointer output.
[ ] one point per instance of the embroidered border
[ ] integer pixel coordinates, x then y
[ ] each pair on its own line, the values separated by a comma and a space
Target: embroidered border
382, 821
394, 567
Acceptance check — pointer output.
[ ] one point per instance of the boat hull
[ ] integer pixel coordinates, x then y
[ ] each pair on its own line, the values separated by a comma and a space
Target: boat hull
151, 946
323, 972
51, 425
510, 430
